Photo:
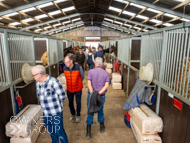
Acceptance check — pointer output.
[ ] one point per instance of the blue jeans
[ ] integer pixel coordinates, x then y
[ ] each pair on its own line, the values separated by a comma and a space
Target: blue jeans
101, 119
90, 66
54, 125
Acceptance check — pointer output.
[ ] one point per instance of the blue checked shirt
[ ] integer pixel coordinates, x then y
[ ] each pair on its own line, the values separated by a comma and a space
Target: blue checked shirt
51, 95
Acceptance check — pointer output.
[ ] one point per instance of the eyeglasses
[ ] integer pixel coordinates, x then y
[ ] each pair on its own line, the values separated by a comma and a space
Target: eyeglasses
36, 74
67, 62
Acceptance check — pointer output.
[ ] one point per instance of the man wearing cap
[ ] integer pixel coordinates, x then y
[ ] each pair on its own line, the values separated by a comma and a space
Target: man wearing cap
80, 58
74, 76
97, 80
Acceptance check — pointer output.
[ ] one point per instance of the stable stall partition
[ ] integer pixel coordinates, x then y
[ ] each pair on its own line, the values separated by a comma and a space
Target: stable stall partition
17, 48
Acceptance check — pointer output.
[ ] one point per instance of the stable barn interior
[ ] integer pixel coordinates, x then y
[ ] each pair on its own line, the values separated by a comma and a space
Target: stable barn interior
159, 36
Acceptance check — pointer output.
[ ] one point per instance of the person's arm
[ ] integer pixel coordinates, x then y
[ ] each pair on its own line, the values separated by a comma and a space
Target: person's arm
59, 90
81, 72
89, 84
104, 88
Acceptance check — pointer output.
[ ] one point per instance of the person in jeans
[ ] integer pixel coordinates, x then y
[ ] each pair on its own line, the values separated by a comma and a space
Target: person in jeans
90, 59
51, 94
74, 76
97, 80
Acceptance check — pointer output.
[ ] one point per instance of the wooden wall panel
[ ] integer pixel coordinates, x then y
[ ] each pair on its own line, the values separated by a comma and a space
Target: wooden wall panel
28, 93
6, 112
176, 122
135, 49
40, 48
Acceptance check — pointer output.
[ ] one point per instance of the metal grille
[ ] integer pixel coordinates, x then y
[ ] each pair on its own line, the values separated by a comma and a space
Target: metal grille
125, 51
177, 63
20, 50
119, 49
52, 51
151, 51
3, 73
60, 49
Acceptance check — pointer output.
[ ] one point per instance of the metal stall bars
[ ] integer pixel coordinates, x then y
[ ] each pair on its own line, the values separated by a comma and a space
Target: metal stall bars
177, 65
151, 51
52, 53
59, 53
4, 78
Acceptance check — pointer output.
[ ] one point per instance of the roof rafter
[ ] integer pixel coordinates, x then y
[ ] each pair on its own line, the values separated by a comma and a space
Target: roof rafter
160, 8
181, 4
39, 2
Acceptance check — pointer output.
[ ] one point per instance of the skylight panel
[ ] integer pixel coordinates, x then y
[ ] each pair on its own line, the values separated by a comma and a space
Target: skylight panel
58, 31
29, 9
57, 24
66, 22
170, 15
41, 16
115, 9
58, 1
122, 1
47, 27
54, 12
128, 25
142, 17
1, 18
184, 19
38, 29
113, 27
11, 14
108, 19
68, 8
119, 29
76, 19
137, 28
66, 29
80, 25
72, 27
118, 22
104, 25
50, 33
145, 30
15, 23
28, 20
45, 5
153, 10
136, 5
155, 21
168, 24
128, 13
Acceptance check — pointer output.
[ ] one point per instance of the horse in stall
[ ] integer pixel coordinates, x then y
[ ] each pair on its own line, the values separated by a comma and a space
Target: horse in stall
114, 50
68, 50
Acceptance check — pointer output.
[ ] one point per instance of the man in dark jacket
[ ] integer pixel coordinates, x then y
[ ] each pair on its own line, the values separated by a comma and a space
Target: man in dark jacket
99, 54
98, 80
74, 76
80, 58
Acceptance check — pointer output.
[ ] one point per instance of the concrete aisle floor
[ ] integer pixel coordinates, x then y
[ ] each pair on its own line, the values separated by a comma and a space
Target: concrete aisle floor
115, 132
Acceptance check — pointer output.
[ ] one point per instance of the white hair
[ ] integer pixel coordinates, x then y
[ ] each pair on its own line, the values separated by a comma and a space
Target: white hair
39, 69
98, 61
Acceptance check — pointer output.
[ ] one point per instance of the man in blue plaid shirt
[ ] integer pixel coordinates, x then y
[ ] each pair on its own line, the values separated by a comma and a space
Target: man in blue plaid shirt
51, 95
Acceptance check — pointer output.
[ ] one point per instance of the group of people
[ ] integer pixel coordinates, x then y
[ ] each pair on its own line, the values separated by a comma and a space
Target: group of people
51, 93
87, 56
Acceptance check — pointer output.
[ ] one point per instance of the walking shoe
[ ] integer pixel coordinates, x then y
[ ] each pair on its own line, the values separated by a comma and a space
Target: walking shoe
102, 127
77, 119
72, 117
88, 131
